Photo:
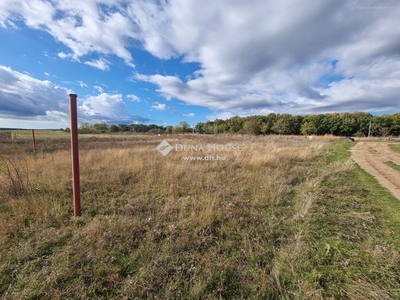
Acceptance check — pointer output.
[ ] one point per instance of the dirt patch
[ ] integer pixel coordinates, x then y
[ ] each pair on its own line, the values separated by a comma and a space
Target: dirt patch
372, 157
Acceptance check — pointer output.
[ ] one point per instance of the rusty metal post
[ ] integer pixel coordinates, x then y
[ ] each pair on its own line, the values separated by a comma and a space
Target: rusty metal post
76, 187
34, 140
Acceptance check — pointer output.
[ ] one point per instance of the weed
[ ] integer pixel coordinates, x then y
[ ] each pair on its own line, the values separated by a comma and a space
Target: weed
14, 176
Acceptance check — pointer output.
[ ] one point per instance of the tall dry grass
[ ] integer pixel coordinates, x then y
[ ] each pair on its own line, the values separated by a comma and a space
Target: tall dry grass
162, 227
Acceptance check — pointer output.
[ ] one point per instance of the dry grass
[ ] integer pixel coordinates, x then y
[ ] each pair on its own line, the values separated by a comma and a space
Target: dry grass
257, 225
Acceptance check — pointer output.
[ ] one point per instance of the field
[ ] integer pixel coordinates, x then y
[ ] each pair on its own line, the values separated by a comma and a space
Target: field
283, 218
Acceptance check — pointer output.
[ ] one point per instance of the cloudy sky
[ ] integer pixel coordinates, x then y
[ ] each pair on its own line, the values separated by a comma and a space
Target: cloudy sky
166, 61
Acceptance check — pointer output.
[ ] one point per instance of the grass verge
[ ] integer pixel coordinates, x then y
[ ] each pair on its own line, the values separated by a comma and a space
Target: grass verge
357, 224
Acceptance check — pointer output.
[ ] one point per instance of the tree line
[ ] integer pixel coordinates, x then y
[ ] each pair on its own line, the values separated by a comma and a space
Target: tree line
339, 124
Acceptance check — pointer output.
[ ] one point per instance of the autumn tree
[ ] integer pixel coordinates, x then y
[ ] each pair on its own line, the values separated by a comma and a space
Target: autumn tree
234, 124
252, 125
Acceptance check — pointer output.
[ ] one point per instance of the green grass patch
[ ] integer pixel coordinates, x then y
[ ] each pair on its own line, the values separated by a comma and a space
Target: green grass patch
393, 165
355, 233
40, 134
395, 147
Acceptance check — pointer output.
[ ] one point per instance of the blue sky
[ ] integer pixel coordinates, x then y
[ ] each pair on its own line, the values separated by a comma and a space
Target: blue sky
163, 62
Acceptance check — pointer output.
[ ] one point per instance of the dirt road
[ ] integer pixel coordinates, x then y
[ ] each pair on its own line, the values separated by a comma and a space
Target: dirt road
371, 156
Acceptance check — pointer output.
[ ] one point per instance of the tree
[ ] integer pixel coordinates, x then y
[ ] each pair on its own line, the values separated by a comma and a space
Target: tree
234, 124
283, 124
308, 128
151, 126
113, 128
219, 126
123, 127
267, 122
396, 124
383, 124
349, 124
84, 128
208, 127
185, 126
177, 129
317, 121
100, 127
362, 121
296, 122
252, 126
168, 129
334, 123
199, 127
138, 128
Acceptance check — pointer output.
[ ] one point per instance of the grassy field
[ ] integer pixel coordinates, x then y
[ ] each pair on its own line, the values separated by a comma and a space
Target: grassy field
284, 218
27, 134
43, 134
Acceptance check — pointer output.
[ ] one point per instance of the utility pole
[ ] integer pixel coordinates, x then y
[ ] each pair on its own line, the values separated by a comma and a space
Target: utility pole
369, 129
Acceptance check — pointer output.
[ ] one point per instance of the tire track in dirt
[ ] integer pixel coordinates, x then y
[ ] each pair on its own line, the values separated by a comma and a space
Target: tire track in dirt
371, 156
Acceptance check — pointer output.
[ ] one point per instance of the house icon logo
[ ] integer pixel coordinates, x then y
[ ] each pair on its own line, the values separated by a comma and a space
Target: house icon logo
164, 148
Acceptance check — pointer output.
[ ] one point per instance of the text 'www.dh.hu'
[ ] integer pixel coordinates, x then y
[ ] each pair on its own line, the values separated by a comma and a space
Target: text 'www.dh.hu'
205, 158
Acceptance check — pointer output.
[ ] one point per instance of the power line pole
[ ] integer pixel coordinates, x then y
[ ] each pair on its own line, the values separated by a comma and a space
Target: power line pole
369, 129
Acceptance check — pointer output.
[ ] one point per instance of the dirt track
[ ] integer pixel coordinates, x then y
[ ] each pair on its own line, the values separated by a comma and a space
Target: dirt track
371, 156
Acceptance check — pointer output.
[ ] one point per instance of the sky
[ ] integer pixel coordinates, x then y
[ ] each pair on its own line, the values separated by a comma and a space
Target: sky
166, 61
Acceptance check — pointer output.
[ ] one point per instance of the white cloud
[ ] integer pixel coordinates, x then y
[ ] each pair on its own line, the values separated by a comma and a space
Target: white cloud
108, 108
23, 96
85, 27
101, 64
262, 57
160, 107
253, 56
63, 55
28, 99
99, 88
104, 107
191, 115
133, 98
36, 13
